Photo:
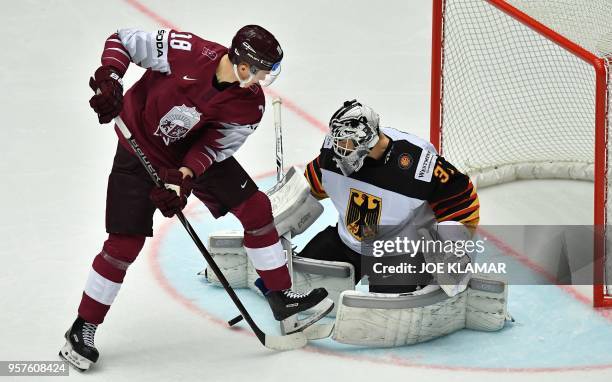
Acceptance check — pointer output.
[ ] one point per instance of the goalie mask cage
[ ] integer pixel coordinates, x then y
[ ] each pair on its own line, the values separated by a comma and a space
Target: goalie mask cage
521, 90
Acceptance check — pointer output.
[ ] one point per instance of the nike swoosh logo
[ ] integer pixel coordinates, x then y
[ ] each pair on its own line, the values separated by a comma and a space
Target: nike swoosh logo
187, 78
244, 185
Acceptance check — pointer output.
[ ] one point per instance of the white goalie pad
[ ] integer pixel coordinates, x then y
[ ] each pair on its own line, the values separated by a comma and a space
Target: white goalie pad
335, 276
226, 248
451, 283
293, 207
388, 320
487, 305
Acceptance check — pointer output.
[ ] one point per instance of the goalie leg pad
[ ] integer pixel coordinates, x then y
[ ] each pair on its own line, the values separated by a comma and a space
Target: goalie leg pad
226, 247
487, 305
389, 320
451, 283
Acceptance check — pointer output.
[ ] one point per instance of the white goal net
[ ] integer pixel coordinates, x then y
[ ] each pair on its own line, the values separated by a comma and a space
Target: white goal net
524, 91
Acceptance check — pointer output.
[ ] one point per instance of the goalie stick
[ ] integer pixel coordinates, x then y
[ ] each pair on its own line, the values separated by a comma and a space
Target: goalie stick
287, 342
278, 134
276, 104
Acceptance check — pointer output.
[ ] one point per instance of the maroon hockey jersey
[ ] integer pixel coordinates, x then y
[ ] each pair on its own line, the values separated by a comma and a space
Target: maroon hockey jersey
175, 111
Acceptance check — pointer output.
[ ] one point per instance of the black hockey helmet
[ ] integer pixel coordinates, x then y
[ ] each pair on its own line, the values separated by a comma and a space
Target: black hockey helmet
257, 47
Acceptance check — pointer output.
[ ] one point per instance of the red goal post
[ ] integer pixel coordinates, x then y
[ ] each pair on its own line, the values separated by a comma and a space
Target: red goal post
521, 90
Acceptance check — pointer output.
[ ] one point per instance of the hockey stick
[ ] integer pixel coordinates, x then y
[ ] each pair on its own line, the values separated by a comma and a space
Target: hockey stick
276, 104
280, 174
288, 342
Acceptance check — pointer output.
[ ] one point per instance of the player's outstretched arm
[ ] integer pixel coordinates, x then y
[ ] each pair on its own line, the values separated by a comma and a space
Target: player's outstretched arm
314, 178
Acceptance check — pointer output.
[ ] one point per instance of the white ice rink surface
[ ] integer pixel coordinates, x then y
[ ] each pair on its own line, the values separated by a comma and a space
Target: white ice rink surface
56, 158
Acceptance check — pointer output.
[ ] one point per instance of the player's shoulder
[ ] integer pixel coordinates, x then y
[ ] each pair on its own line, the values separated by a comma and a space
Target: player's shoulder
192, 56
415, 158
408, 141
253, 93
244, 106
209, 50
252, 97
188, 36
193, 46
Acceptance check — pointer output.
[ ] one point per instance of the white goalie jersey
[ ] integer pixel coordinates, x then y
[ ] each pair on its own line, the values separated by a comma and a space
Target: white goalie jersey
411, 186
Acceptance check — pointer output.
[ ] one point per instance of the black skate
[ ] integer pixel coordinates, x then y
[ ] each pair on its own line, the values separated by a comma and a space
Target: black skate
287, 304
79, 349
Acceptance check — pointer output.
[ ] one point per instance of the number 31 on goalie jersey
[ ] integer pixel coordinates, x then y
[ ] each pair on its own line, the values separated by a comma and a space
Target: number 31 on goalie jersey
443, 174
453, 196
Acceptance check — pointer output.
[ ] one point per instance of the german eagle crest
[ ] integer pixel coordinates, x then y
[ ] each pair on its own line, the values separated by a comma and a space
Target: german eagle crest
363, 214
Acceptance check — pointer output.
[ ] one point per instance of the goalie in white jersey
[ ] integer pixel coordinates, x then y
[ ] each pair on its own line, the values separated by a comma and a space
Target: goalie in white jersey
385, 184
380, 181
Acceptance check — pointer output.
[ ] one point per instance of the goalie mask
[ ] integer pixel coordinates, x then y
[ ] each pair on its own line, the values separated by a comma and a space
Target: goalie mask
353, 132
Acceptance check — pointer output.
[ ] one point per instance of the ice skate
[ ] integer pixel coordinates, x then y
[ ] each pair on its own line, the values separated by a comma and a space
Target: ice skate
287, 304
79, 349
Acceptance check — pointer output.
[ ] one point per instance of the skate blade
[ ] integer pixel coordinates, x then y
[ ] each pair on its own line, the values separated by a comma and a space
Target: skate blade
293, 324
76, 360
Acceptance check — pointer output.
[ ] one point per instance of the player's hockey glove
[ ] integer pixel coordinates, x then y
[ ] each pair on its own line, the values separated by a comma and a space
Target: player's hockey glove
173, 198
108, 100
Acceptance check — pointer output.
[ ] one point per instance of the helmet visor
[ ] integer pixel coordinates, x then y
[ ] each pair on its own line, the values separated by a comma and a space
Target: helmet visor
272, 75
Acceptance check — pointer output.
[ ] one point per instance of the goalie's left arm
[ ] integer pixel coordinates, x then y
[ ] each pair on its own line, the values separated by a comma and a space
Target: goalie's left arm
454, 201
453, 197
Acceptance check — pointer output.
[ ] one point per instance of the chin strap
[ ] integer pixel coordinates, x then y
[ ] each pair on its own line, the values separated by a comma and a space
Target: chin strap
242, 82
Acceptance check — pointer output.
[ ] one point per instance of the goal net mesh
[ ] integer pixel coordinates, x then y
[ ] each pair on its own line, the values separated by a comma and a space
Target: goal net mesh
515, 105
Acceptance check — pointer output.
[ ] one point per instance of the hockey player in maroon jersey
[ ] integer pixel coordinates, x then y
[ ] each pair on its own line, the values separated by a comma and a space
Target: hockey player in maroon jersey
378, 179
190, 112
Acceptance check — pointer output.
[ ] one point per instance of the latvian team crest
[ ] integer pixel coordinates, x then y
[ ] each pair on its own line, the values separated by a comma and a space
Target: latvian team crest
177, 123
363, 214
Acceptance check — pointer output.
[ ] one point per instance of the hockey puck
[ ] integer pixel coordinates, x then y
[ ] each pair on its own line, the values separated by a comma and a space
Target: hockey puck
235, 320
